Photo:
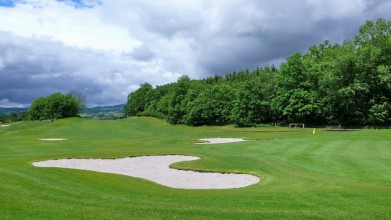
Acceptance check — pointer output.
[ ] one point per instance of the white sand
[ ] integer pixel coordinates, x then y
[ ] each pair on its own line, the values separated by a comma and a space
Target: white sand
3, 126
52, 139
220, 140
156, 169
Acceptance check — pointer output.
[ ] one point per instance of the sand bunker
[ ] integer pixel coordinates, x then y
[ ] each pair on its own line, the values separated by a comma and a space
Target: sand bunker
156, 169
52, 139
220, 140
3, 126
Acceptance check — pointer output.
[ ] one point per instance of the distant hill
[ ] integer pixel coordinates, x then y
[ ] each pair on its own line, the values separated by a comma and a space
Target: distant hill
104, 112
12, 110
88, 111
104, 109
99, 112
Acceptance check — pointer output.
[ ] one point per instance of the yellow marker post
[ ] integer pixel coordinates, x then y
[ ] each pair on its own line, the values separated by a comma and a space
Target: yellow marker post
314, 131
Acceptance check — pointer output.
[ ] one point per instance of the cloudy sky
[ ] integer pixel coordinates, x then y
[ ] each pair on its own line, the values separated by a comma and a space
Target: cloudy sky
107, 48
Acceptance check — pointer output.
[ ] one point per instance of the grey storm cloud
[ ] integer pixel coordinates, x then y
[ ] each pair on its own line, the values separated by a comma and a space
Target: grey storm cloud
142, 53
32, 68
223, 36
196, 38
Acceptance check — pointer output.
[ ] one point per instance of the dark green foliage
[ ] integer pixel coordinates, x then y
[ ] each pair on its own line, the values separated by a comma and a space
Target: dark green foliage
296, 94
55, 106
250, 106
241, 98
180, 96
348, 84
212, 106
139, 100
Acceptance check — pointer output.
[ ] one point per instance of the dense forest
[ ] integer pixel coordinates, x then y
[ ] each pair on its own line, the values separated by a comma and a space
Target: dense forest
336, 84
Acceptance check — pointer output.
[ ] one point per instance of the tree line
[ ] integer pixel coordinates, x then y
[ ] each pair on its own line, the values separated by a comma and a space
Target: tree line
13, 117
345, 84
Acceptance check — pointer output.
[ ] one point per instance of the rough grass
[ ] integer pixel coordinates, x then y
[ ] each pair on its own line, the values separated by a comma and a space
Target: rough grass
329, 175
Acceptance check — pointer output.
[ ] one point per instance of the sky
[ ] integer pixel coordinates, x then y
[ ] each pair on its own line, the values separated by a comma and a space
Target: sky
105, 49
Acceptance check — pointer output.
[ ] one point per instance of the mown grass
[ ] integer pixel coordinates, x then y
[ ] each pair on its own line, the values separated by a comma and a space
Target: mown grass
329, 175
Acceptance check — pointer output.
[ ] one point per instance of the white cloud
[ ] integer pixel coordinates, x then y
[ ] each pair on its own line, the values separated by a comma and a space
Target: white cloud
61, 22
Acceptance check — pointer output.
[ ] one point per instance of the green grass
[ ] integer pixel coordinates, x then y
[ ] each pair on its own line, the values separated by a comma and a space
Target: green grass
329, 175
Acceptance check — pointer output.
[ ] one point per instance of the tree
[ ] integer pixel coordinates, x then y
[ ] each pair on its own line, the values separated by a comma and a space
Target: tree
296, 95
138, 100
180, 96
212, 106
54, 106
79, 98
250, 106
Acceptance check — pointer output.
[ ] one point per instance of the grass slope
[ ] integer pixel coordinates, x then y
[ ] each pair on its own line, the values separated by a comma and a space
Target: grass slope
329, 175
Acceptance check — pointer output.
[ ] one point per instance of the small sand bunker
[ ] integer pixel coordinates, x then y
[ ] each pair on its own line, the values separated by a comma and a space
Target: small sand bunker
52, 139
156, 169
220, 140
3, 126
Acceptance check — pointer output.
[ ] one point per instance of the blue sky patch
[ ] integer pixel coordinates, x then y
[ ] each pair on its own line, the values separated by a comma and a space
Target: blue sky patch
7, 3
82, 3
74, 3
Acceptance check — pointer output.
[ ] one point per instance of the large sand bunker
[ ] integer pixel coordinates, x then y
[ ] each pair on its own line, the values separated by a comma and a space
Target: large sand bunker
156, 169
220, 140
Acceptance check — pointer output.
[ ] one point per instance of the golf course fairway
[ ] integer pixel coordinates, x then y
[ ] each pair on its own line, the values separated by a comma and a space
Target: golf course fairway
326, 175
